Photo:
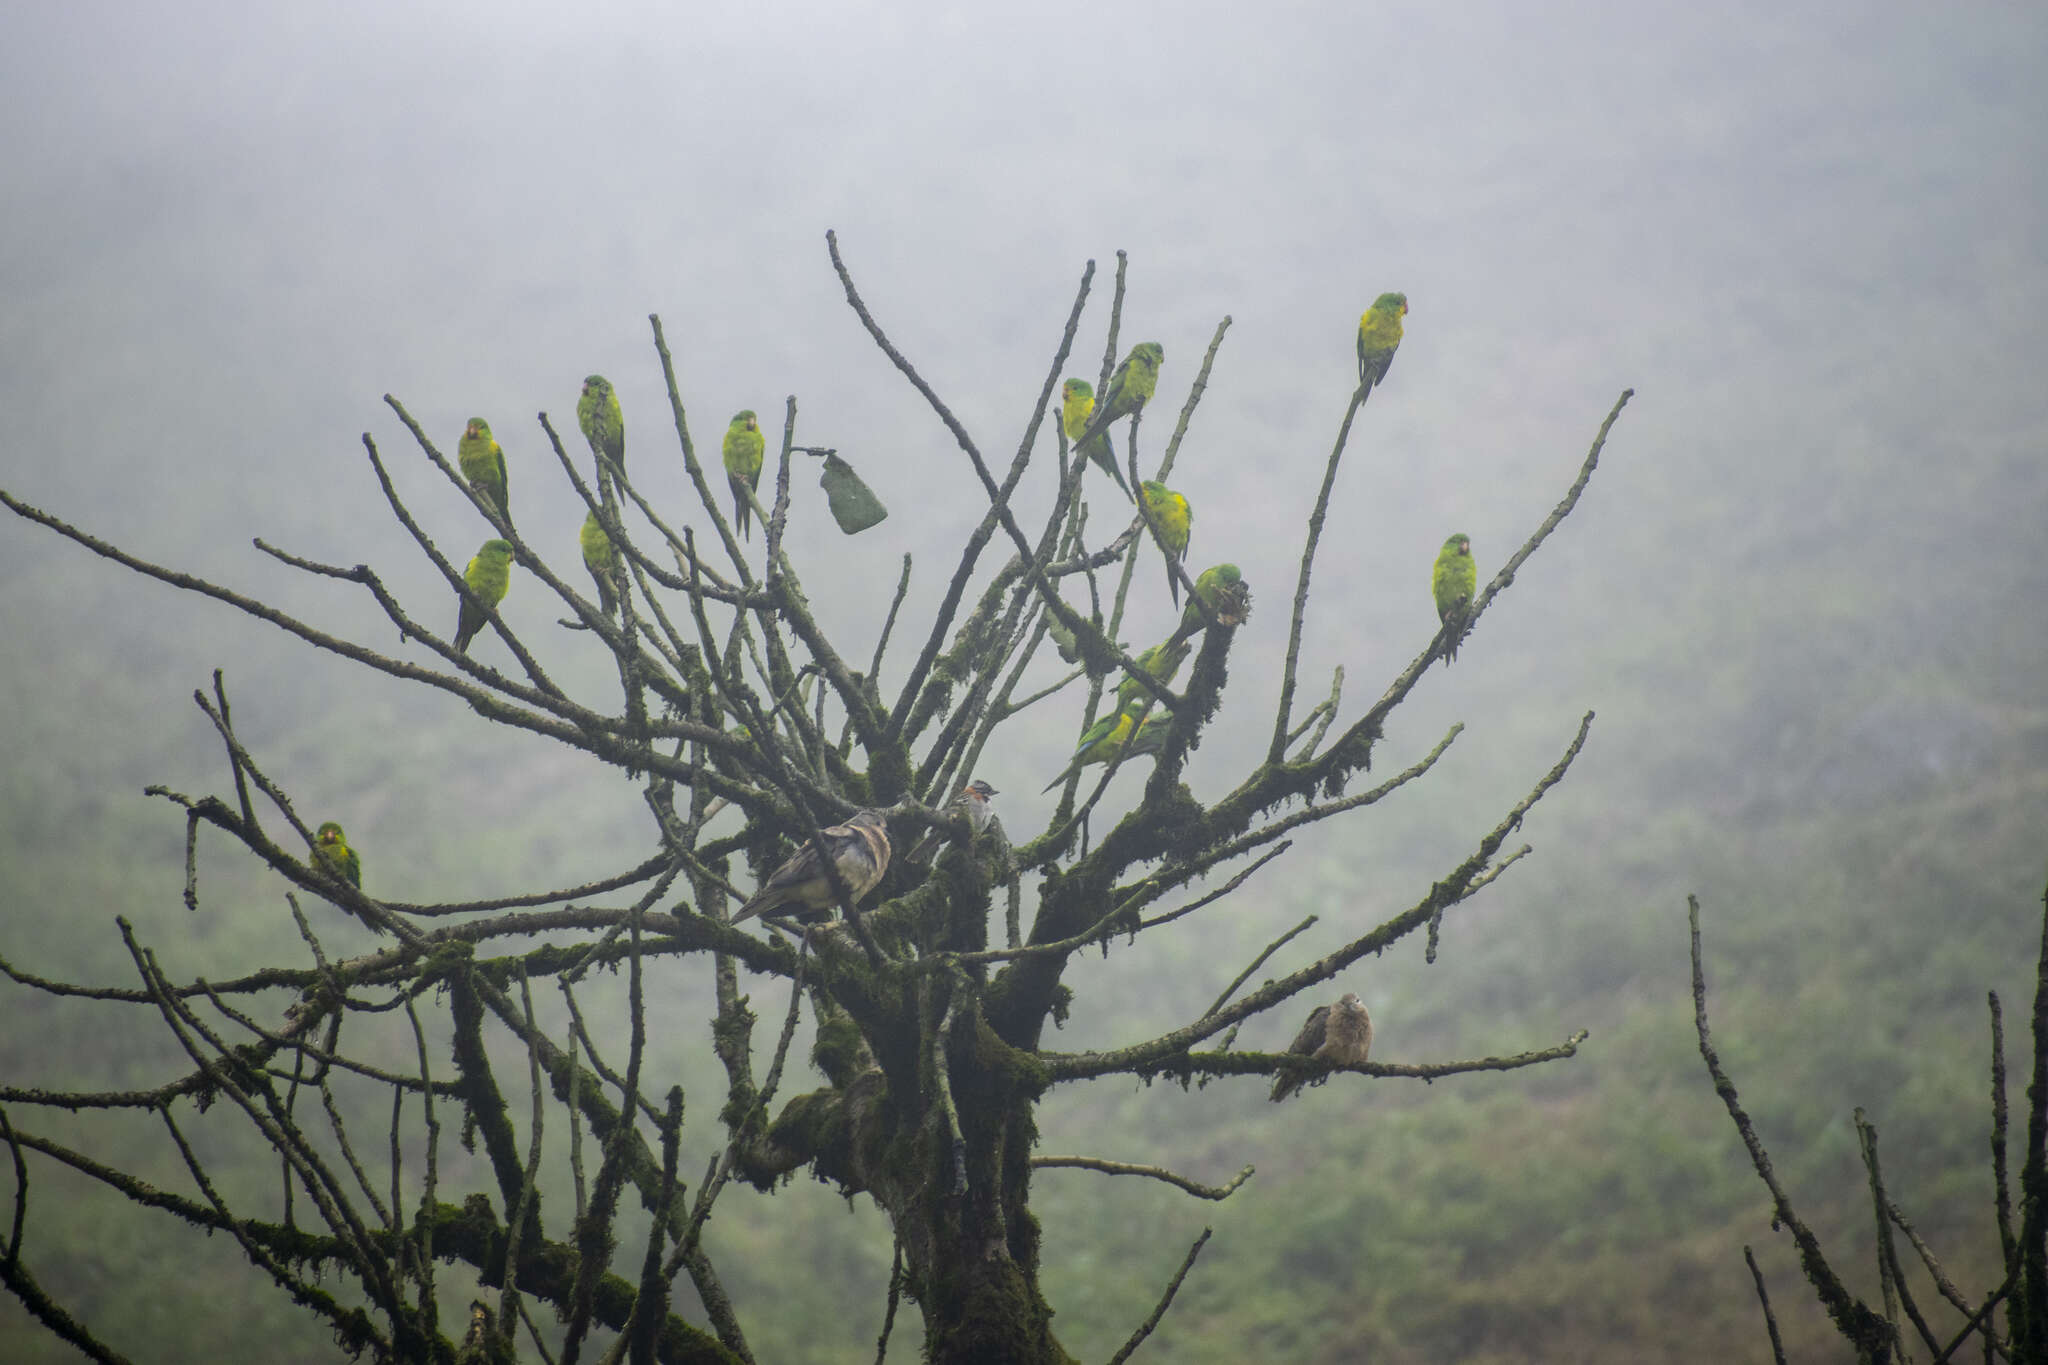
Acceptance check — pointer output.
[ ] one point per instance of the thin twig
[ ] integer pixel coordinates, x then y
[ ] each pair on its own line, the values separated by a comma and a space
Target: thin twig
1940, 1277
889, 1313
1979, 1318
1278, 747
1271, 948
1165, 1302
1220, 892
1890, 1282
1093, 1163
1770, 1318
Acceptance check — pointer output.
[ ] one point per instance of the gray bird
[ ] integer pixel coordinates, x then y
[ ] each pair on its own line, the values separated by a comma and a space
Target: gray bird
973, 802
859, 849
1334, 1033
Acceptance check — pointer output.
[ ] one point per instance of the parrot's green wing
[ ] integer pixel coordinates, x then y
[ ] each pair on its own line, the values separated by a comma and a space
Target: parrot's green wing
1100, 743
1098, 449
1151, 736
599, 557
1161, 662
742, 450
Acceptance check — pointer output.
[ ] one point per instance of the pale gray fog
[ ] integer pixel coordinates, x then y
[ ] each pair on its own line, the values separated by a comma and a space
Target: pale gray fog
1808, 576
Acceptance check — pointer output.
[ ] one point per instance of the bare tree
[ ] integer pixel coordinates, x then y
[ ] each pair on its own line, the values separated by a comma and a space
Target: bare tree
1886, 1333
753, 733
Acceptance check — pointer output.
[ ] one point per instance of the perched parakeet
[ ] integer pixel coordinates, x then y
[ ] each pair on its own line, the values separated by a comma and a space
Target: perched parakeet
332, 855
1222, 589
1151, 736
1129, 389
1169, 511
1162, 662
489, 575
1455, 580
483, 464
1100, 743
1379, 336
743, 446
1078, 397
859, 849
604, 425
598, 557
1340, 1033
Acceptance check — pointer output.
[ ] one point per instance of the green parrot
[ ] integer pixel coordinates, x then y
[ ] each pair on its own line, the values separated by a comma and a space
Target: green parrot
1079, 396
332, 855
1129, 389
1162, 662
483, 464
743, 446
598, 557
1454, 581
604, 425
489, 575
1221, 587
1176, 522
1379, 336
1100, 743
1151, 736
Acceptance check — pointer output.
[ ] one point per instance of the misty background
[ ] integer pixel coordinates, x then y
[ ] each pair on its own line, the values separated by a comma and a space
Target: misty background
1803, 593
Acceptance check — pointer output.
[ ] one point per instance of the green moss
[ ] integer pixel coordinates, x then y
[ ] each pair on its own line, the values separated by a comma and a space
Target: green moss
988, 1311
1009, 1068
1062, 1004
839, 1050
1179, 819
810, 1124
